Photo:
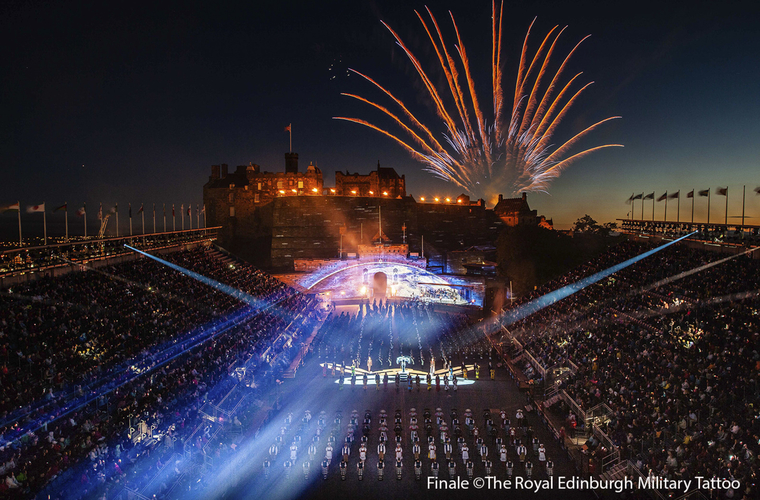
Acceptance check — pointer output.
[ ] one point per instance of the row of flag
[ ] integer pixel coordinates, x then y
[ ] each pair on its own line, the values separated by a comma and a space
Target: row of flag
16, 207
721, 191
82, 212
703, 192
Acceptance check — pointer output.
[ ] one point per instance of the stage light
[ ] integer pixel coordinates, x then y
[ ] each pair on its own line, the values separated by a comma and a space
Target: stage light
332, 190
448, 200
422, 198
282, 191
371, 192
293, 190
314, 189
353, 192
385, 193
363, 290
437, 199
459, 200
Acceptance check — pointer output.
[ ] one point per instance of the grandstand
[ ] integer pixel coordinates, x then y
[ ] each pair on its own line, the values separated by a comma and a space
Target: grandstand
133, 380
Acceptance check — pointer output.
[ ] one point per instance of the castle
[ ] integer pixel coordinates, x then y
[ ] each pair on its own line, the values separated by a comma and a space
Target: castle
274, 218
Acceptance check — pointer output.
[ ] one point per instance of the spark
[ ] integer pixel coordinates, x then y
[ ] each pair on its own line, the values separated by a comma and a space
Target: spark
513, 153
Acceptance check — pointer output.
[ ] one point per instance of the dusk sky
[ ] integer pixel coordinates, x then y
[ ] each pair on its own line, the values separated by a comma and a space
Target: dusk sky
129, 102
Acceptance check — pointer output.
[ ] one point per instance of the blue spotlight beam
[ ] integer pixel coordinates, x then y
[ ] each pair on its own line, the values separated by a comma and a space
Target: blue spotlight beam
229, 290
130, 370
550, 298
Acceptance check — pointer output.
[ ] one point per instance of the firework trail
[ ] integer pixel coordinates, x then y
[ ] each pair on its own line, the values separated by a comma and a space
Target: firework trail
512, 154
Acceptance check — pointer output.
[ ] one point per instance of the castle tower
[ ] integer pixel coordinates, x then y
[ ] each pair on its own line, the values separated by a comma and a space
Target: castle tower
291, 163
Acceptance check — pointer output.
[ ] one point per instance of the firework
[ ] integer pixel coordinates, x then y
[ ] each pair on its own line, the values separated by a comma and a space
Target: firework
513, 153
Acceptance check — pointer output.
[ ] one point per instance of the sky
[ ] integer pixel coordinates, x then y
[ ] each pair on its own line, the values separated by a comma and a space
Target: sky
130, 102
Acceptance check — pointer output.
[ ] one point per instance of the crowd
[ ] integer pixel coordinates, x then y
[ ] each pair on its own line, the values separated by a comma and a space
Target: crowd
677, 364
86, 355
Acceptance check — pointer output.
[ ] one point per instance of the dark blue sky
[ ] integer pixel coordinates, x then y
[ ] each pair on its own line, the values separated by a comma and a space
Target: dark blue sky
148, 96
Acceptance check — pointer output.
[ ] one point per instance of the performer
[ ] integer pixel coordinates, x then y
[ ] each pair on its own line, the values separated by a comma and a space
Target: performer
325, 468
380, 469
369, 363
267, 464
343, 470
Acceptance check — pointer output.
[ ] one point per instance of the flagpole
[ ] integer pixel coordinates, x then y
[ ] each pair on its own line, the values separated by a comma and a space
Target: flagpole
164, 217
143, 219
205, 222
198, 216
85, 220
693, 195
130, 219
66, 219
182, 215
633, 204
708, 206
726, 220
154, 218
20, 239
678, 208
190, 214
44, 224
116, 214
653, 196
744, 196
642, 207
665, 217
174, 219
290, 134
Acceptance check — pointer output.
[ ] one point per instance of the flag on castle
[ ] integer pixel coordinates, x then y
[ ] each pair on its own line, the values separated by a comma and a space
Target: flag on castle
35, 208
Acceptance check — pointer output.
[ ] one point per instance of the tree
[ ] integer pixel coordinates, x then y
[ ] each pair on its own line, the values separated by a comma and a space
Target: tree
586, 224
